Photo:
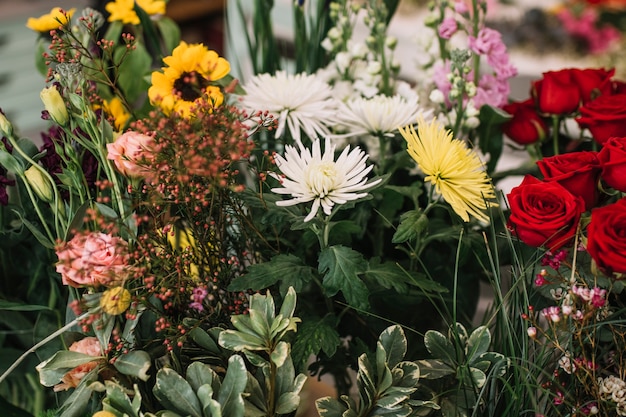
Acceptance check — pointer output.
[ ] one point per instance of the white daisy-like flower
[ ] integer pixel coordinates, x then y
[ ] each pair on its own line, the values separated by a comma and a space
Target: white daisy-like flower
380, 115
299, 102
313, 176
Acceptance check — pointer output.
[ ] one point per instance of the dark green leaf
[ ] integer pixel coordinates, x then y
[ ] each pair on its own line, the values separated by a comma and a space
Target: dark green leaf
394, 342
170, 32
330, 407
314, 336
387, 274
439, 346
14, 306
434, 368
135, 64
413, 224
175, 394
289, 270
341, 267
490, 135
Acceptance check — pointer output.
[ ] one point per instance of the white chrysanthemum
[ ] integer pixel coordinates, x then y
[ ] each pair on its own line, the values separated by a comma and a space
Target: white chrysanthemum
380, 115
301, 101
313, 176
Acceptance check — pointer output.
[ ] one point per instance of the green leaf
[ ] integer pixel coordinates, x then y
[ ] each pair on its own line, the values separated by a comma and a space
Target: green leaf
434, 368
365, 382
135, 363
490, 134
170, 33
199, 374
341, 267
478, 377
210, 406
114, 31
75, 404
478, 343
406, 374
52, 370
285, 269
135, 64
174, 393
394, 343
41, 238
330, 407
314, 336
387, 274
239, 341
233, 385
280, 354
11, 163
204, 340
15, 306
439, 346
287, 403
107, 211
118, 400
413, 224
289, 303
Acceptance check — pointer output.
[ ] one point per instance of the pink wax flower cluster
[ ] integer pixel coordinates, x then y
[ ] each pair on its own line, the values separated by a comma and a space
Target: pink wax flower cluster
93, 259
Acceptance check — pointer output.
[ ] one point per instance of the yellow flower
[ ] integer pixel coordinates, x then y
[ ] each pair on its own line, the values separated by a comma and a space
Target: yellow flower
181, 238
115, 300
124, 10
50, 21
116, 109
187, 79
54, 104
40, 184
103, 414
455, 170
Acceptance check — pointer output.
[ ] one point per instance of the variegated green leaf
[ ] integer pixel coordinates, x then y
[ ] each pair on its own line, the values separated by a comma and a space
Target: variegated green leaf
434, 369
174, 393
233, 385
135, 363
478, 342
394, 342
439, 346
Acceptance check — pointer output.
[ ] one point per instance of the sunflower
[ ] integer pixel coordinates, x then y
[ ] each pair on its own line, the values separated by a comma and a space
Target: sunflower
188, 78
124, 10
51, 21
455, 170
115, 109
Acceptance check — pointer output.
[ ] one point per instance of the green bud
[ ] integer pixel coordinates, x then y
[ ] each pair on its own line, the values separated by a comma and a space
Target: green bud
54, 104
39, 183
6, 128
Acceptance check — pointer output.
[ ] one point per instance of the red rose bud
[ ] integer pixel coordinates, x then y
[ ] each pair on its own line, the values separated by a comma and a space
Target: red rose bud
605, 117
612, 158
557, 93
605, 237
593, 82
526, 126
544, 213
577, 172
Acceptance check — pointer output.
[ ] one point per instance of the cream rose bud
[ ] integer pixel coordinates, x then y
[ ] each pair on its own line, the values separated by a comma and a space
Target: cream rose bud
130, 152
6, 128
39, 183
54, 104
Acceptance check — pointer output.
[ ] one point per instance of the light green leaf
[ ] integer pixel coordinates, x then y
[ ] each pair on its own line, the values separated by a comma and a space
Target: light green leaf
118, 400
289, 303
341, 267
174, 393
279, 354
135, 363
330, 407
478, 342
239, 341
287, 403
365, 382
439, 346
210, 406
170, 33
136, 63
199, 374
11, 163
52, 370
233, 385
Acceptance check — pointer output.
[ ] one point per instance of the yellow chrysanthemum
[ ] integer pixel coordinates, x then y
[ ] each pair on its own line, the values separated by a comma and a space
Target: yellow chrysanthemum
187, 79
115, 300
51, 21
116, 109
124, 10
455, 170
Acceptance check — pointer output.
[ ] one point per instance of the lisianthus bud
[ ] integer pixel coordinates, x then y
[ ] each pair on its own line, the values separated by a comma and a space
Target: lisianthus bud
115, 300
54, 104
6, 128
40, 184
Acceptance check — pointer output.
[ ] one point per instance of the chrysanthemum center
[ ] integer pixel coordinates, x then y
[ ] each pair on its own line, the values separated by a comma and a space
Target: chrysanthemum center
322, 178
190, 86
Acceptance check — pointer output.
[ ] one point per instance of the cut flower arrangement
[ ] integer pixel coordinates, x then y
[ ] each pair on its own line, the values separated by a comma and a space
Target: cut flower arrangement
200, 245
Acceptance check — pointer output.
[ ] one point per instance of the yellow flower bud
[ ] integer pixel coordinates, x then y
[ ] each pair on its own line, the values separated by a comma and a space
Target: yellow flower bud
39, 183
6, 128
115, 300
54, 104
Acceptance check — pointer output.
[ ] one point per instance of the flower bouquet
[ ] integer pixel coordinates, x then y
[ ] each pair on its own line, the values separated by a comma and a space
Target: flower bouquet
211, 245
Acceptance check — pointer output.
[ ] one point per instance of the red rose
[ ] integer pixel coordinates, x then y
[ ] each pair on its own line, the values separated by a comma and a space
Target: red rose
526, 126
612, 159
557, 93
606, 237
604, 117
577, 172
544, 213
593, 82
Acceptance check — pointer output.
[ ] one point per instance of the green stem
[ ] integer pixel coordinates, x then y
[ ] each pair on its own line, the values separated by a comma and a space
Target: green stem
556, 122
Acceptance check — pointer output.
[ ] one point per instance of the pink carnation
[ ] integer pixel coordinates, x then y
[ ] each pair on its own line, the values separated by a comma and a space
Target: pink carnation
89, 346
131, 153
93, 259
447, 28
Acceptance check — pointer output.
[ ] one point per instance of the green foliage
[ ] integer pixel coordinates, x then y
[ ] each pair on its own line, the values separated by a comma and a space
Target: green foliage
385, 387
341, 268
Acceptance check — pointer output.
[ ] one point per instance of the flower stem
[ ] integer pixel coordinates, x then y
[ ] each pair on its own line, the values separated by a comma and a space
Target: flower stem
556, 122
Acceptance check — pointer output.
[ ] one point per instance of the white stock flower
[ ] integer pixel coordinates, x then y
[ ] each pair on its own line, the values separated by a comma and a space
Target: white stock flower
301, 101
380, 115
313, 176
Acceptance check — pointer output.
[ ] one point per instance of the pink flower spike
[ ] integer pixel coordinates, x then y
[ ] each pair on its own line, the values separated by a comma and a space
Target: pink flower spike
447, 28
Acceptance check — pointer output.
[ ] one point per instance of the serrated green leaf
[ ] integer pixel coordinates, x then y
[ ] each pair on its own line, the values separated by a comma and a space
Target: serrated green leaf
413, 224
439, 346
286, 269
341, 267
174, 393
388, 275
434, 368
135, 363
315, 336
233, 385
